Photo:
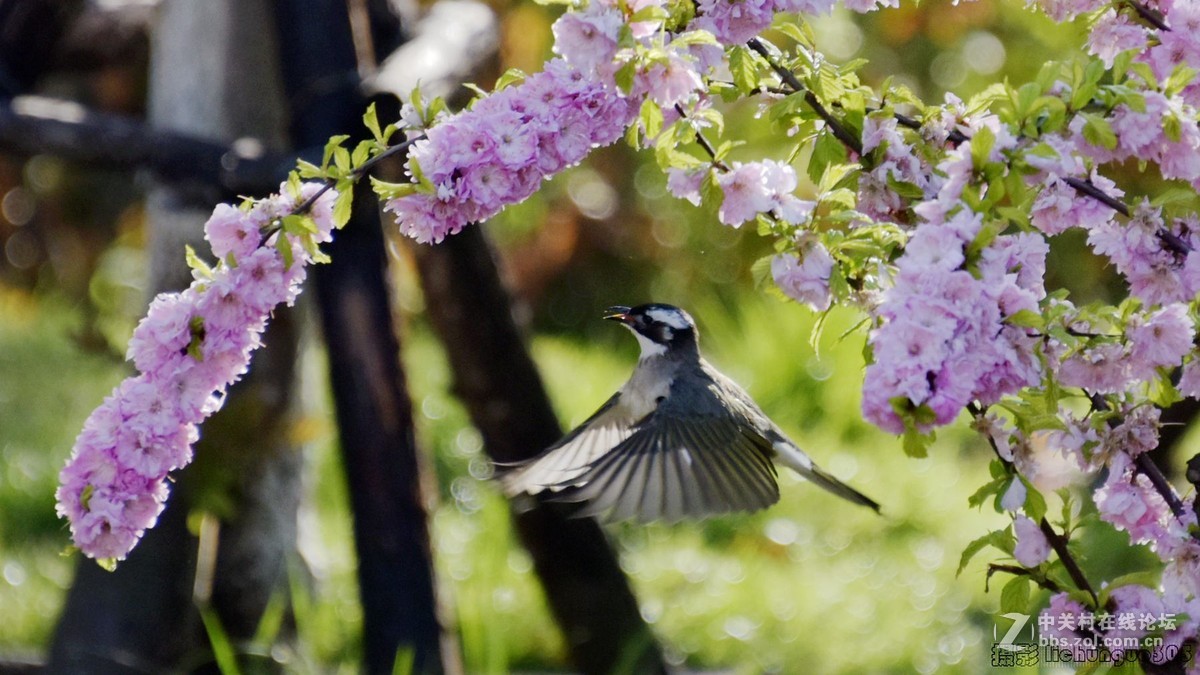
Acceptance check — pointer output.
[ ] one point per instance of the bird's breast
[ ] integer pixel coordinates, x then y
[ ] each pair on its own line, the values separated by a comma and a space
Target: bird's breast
649, 386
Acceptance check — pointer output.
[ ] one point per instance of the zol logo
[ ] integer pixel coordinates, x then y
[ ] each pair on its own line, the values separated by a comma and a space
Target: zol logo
1008, 642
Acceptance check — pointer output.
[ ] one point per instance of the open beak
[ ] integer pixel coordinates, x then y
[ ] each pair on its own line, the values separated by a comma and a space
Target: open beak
617, 313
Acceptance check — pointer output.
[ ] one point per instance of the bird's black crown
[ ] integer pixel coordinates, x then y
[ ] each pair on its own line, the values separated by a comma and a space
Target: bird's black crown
661, 324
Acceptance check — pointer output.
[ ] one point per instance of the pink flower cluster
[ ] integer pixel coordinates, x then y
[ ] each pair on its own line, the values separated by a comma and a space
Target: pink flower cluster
188, 349
736, 21
497, 153
747, 189
1153, 340
894, 160
944, 340
805, 279
1130, 503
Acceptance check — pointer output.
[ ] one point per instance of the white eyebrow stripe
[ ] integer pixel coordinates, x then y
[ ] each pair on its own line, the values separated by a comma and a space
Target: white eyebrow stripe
676, 319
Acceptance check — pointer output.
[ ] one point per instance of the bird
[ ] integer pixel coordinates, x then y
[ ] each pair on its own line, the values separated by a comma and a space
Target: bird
679, 440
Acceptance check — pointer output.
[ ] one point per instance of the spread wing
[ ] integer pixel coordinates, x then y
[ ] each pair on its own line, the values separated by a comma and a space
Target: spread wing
568, 458
697, 454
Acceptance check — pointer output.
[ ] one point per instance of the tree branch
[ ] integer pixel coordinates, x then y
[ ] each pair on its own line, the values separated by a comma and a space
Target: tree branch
1056, 541
1148, 15
834, 124
702, 140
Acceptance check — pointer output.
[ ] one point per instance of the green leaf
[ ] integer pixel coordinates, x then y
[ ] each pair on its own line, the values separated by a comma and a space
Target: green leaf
196, 328
915, 443
342, 207
1035, 503
651, 117
332, 147
981, 146
387, 190
995, 539
308, 169
1014, 597
107, 564
1026, 318
993, 487
284, 246
1098, 131
826, 151
195, 263
371, 121
624, 76
510, 77
743, 68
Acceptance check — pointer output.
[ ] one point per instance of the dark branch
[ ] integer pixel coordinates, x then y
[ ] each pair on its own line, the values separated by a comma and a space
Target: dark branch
704, 142
33, 126
1150, 470
789, 78
1085, 187
1148, 15
1057, 541
1059, 544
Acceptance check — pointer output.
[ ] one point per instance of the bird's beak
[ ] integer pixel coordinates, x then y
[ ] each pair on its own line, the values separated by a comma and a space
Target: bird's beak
617, 313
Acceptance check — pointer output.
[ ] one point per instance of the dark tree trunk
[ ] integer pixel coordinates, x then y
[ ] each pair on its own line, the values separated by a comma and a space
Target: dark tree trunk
499, 383
374, 412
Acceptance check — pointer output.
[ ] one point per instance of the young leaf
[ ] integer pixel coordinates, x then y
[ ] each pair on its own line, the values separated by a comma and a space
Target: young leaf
1014, 597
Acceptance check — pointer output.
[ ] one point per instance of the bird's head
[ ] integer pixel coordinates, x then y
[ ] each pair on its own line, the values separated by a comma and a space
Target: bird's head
660, 329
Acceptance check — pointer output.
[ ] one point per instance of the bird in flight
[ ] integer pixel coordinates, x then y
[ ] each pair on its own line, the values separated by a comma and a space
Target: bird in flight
678, 440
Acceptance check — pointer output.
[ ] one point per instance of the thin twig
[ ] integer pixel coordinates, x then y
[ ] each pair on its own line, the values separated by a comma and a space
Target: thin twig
357, 174
954, 135
1059, 544
835, 126
1150, 470
702, 140
1087, 188
1148, 15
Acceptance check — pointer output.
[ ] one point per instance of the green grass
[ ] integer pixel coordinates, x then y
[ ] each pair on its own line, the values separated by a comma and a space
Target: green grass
813, 583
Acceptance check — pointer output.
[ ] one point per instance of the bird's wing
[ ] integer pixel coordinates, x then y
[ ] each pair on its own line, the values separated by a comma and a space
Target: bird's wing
568, 458
693, 456
785, 451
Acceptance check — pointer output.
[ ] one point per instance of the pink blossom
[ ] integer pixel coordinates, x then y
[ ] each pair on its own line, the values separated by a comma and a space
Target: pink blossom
685, 184
1162, 339
1032, 547
734, 21
190, 346
805, 280
1112, 34
588, 39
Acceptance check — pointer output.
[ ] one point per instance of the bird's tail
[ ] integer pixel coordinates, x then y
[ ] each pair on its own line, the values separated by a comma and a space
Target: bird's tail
795, 458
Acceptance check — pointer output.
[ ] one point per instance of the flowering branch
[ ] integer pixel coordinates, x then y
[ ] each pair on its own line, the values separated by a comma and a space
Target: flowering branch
1150, 16
835, 125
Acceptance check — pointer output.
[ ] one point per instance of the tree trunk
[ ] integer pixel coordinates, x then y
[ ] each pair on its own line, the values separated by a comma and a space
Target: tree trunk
374, 413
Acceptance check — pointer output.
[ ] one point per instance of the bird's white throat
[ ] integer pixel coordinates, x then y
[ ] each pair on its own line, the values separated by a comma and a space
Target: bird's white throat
650, 348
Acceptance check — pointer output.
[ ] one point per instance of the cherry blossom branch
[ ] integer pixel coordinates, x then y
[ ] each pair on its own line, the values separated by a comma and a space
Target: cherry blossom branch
1159, 481
358, 173
954, 136
1148, 468
835, 126
1085, 187
1057, 542
1148, 15
702, 140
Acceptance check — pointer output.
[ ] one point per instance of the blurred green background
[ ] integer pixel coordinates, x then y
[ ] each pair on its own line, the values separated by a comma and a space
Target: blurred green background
811, 585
